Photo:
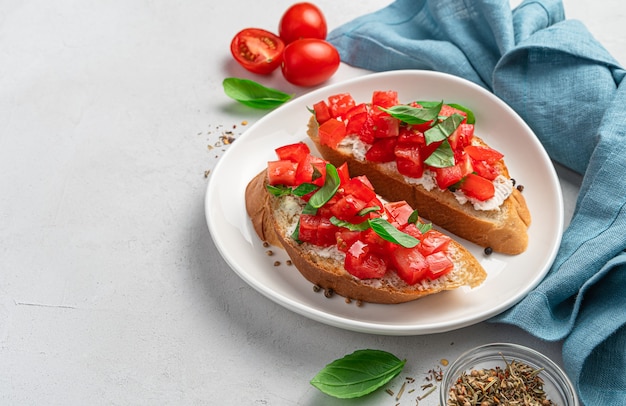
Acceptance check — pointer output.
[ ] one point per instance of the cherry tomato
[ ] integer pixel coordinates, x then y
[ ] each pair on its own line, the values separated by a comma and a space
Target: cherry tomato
302, 20
257, 50
309, 62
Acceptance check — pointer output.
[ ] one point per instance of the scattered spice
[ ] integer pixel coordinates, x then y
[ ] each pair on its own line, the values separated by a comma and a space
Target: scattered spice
316, 288
488, 251
513, 181
266, 244
517, 383
348, 300
269, 253
444, 362
288, 262
276, 263
328, 292
427, 393
359, 303
520, 188
401, 391
389, 391
206, 173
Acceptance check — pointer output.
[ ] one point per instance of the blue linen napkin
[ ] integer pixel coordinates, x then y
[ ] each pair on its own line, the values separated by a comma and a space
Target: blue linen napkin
571, 92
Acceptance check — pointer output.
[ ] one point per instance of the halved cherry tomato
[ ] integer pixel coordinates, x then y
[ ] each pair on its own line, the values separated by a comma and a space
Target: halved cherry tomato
257, 50
302, 20
309, 62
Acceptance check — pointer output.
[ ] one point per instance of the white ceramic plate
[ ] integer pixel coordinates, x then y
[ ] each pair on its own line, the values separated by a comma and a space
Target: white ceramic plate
509, 277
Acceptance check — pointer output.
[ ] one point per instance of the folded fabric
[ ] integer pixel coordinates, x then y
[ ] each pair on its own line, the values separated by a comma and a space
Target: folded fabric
571, 92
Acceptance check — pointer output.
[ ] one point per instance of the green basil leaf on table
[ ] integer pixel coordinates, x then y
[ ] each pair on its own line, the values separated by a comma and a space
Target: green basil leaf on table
358, 374
254, 94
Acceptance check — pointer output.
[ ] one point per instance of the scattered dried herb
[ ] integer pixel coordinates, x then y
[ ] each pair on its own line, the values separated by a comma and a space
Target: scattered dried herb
517, 383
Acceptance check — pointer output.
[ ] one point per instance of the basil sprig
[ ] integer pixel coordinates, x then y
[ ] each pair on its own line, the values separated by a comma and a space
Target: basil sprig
254, 94
301, 190
358, 374
382, 227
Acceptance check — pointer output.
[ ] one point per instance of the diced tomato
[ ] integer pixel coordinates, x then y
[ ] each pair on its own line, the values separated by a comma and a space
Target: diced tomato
485, 170
433, 241
448, 176
483, 153
356, 121
377, 244
360, 188
385, 125
282, 172
343, 172
293, 152
358, 109
466, 133
412, 230
322, 112
385, 98
399, 211
347, 208
428, 149
478, 187
339, 104
447, 111
363, 263
439, 264
332, 132
317, 230
409, 161
410, 264
308, 167
382, 150
345, 238
410, 135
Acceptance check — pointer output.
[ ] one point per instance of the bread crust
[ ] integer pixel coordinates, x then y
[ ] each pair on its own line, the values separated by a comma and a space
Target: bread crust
326, 272
504, 230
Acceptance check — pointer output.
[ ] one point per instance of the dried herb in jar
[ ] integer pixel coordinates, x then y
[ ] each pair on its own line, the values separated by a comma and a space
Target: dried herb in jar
517, 384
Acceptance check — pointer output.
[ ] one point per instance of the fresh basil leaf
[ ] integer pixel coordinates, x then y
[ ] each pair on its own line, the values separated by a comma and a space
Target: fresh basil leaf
350, 226
368, 210
254, 94
304, 189
279, 190
444, 129
413, 218
325, 193
389, 233
442, 157
424, 227
471, 119
358, 374
414, 115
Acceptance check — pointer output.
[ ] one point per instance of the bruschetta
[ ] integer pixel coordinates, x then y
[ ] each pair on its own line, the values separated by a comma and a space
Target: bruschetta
342, 236
427, 154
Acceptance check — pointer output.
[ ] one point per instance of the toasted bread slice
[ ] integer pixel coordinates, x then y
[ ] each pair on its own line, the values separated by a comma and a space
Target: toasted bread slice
504, 229
274, 219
